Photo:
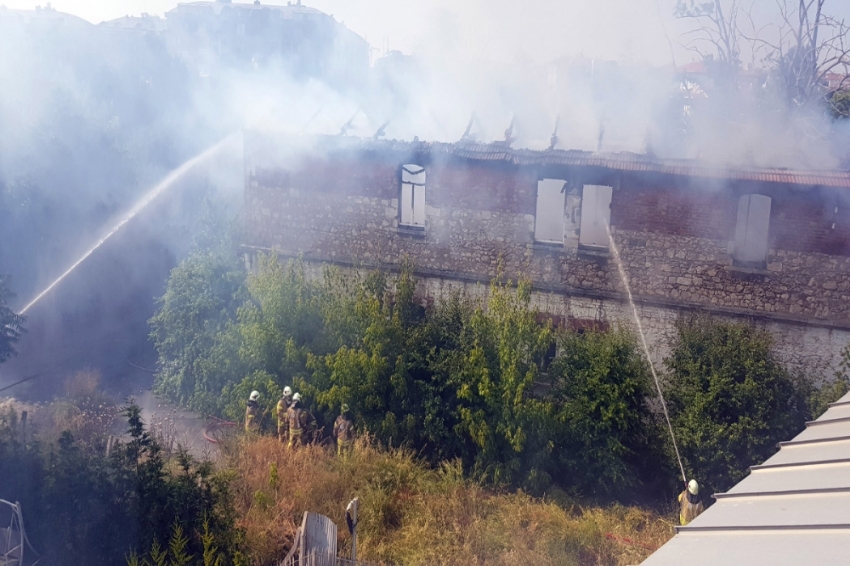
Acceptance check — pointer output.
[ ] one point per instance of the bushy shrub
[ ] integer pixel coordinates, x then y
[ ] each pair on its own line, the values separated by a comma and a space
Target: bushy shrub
81, 506
608, 437
730, 400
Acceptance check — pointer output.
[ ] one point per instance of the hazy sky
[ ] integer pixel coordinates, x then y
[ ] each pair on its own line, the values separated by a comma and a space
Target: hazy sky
538, 30
517, 30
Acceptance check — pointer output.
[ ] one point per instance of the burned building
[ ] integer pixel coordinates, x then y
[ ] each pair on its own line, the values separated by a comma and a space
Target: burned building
767, 245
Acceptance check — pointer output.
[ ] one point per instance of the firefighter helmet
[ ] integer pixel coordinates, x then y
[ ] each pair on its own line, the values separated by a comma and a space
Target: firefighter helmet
693, 487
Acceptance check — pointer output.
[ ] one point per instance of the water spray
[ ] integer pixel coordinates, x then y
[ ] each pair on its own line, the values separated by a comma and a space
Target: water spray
138, 207
625, 279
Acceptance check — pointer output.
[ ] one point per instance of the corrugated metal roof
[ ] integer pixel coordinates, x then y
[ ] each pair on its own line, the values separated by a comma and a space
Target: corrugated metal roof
621, 161
793, 509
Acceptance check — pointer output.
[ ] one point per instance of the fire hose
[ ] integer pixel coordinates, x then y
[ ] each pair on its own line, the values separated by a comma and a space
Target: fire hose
215, 425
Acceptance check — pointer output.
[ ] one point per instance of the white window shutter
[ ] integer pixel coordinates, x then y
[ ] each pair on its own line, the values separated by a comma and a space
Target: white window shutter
752, 229
406, 203
549, 217
595, 215
419, 205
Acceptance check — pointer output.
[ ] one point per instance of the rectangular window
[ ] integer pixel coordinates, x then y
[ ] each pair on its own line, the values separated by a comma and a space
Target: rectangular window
595, 216
549, 218
412, 196
751, 231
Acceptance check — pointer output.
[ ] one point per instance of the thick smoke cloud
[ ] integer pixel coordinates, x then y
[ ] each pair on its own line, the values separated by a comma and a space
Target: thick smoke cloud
90, 119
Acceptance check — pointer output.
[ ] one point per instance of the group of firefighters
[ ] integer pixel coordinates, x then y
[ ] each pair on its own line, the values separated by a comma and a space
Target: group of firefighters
295, 424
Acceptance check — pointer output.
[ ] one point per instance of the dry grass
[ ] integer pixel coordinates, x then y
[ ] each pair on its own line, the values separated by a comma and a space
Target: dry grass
85, 410
411, 514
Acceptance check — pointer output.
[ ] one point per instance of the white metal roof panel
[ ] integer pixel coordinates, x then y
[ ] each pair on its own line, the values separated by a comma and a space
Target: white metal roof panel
792, 509
830, 430
776, 548
815, 452
797, 509
807, 477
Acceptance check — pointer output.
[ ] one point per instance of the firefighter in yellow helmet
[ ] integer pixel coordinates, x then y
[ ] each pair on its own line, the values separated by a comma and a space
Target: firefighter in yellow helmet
300, 422
690, 503
283, 405
344, 431
252, 412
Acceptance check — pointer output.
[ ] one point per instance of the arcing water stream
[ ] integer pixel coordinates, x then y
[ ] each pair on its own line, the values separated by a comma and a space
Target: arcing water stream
138, 207
625, 279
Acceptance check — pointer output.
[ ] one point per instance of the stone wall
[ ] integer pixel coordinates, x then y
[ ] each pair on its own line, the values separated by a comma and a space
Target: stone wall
674, 239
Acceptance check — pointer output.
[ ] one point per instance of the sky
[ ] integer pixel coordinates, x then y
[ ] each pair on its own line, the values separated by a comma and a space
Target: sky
533, 30
504, 30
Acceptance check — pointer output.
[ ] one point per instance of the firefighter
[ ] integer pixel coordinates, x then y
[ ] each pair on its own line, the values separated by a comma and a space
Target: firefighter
343, 431
690, 503
282, 406
300, 422
252, 412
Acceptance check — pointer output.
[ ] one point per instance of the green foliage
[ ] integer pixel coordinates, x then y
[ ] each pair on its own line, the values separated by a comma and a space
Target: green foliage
839, 105
478, 382
607, 433
730, 401
819, 396
82, 507
495, 407
11, 324
235, 397
192, 331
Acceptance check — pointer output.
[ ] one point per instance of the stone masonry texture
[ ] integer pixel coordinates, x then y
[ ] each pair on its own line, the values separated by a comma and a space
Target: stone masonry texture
674, 234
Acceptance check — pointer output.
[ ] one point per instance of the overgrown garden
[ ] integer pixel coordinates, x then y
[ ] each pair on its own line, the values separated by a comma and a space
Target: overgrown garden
481, 382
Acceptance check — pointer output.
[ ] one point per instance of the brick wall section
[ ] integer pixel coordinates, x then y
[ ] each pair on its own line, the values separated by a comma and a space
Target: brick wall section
686, 212
674, 242
810, 226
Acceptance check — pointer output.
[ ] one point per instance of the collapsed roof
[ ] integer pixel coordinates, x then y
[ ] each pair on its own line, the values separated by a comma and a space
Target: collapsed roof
502, 152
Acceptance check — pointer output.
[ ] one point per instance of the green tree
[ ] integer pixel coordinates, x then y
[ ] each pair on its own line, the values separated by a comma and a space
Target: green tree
83, 507
11, 324
608, 437
496, 409
282, 321
730, 401
193, 331
372, 369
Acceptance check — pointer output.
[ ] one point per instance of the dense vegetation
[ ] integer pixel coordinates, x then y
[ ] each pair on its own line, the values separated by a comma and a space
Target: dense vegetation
481, 421
517, 403
83, 506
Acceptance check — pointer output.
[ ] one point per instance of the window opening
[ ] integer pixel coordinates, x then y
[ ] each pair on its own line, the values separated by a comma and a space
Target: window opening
412, 195
751, 231
595, 216
549, 216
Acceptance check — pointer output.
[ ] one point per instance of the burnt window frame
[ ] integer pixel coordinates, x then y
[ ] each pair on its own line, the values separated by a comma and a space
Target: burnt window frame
420, 228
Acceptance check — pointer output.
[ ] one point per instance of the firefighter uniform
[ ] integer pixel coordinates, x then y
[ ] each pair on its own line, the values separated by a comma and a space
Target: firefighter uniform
282, 407
300, 424
690, 507
344, 433
252, 416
